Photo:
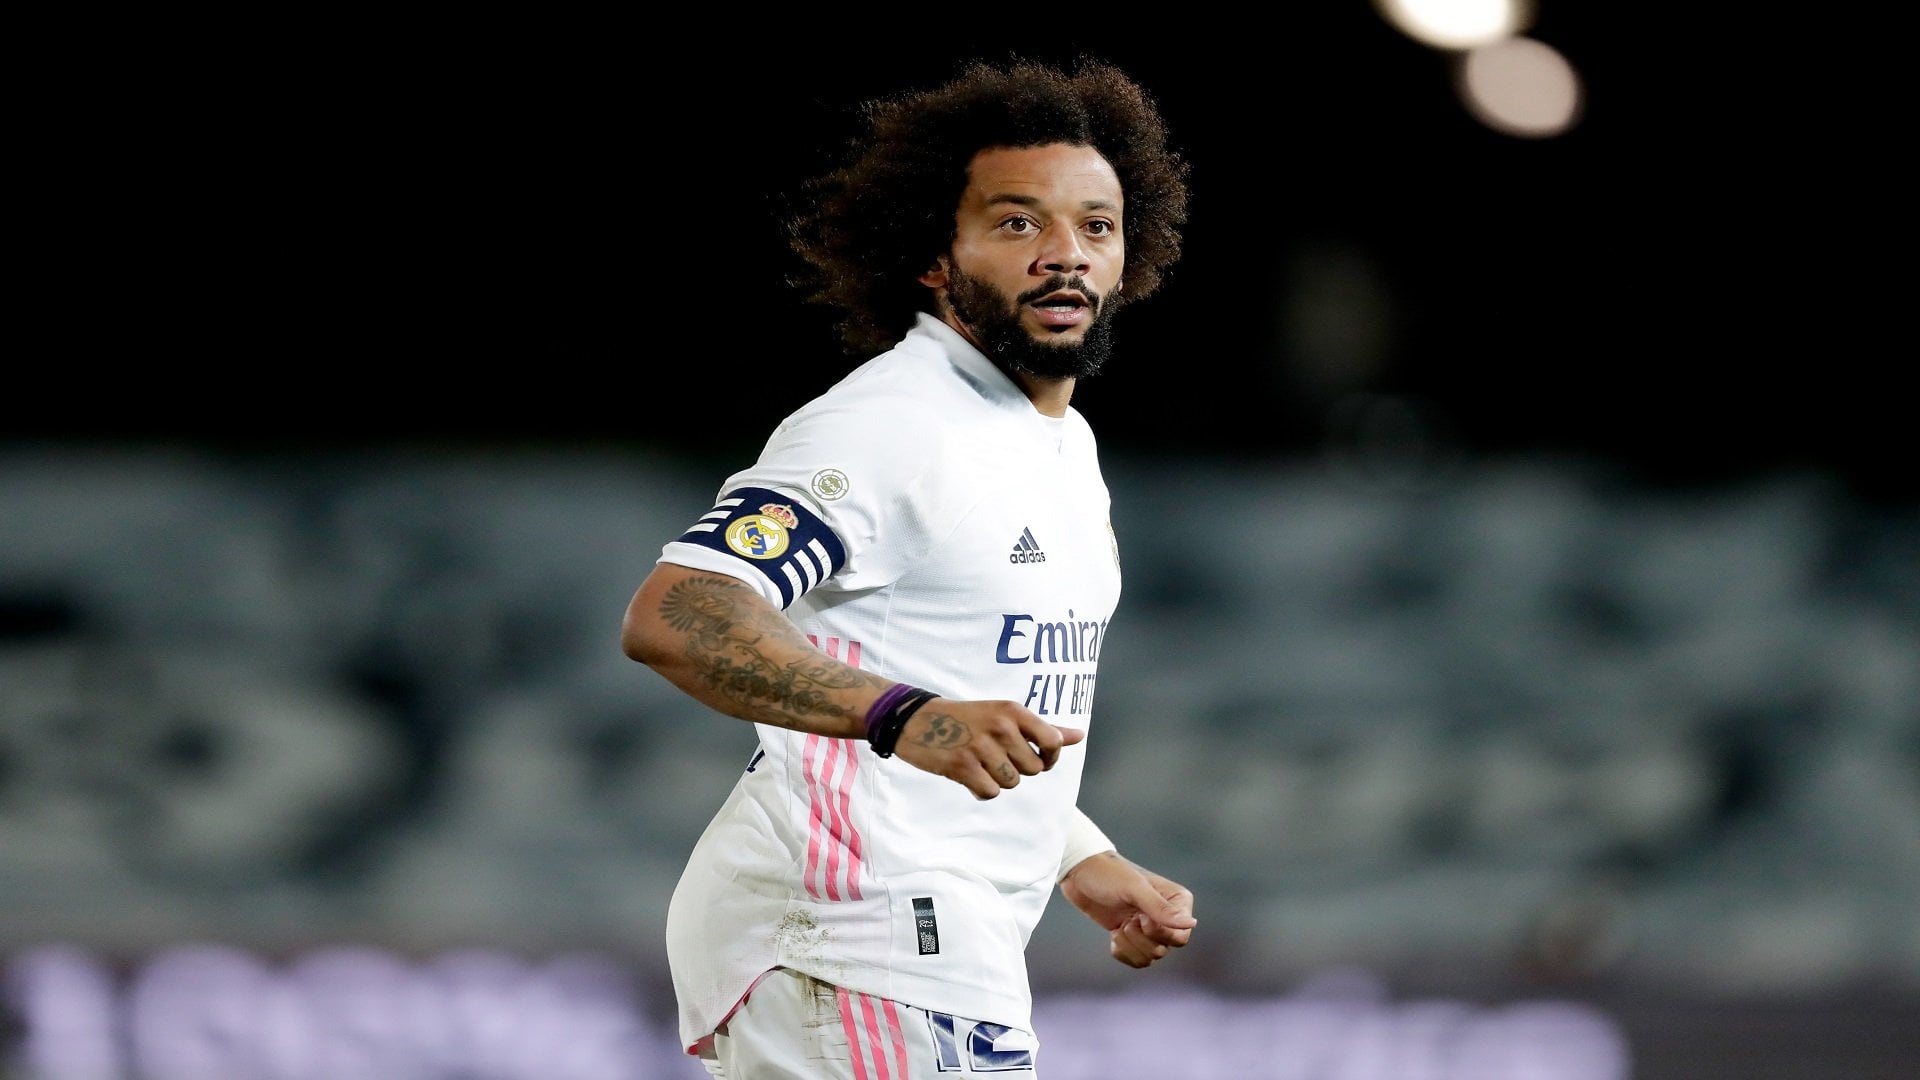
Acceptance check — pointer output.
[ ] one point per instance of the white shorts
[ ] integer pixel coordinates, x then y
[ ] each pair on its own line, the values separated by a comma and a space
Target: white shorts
795, 1027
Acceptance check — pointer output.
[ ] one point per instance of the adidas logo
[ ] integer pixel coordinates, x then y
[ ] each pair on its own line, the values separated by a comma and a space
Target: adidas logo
1026, 549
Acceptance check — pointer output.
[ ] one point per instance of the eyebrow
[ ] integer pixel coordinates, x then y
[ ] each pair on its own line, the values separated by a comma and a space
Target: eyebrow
1029, 200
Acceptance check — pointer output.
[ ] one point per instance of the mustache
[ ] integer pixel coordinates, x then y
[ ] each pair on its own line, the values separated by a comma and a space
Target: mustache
1058, 282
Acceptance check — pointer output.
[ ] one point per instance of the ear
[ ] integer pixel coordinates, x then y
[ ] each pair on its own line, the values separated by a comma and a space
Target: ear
936, 275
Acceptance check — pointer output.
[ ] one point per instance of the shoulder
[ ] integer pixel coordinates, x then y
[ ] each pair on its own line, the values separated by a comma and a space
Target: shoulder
1077, 432
909, 396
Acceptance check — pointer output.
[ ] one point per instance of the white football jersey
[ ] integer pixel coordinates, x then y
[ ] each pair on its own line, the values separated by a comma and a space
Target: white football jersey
921, 520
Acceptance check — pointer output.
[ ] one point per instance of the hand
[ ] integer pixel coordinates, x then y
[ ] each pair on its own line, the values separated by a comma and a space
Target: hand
1145, 915
985, 746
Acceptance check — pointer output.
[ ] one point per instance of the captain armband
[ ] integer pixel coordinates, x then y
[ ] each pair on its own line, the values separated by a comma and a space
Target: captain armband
772, 535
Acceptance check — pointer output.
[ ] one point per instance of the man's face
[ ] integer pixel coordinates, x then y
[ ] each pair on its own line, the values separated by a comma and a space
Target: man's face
1037, 254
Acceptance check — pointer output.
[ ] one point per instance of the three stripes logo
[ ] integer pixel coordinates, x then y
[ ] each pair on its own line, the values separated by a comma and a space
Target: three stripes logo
1026, 549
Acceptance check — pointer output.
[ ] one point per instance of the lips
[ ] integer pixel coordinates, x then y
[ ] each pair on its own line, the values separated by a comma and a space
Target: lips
1062, 310
1063, 299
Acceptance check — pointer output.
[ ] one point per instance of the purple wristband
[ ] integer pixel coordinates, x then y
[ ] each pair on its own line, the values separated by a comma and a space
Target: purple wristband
888, 715
877, 712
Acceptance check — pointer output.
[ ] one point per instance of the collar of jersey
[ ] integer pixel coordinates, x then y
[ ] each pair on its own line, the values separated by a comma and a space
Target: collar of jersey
998, 386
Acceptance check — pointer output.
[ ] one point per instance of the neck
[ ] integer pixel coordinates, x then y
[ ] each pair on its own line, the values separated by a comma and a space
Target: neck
1050, 396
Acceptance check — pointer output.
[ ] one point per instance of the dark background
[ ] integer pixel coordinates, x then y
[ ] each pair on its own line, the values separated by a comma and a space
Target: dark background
340, 235
502, 232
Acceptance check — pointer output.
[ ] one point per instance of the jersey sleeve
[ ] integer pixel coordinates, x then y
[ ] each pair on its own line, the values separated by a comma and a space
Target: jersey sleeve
845, 495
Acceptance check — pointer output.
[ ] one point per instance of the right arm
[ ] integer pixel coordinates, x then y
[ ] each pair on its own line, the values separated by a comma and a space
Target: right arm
726, 646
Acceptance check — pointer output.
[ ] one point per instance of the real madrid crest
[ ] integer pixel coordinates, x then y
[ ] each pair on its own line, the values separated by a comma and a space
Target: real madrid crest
759, 536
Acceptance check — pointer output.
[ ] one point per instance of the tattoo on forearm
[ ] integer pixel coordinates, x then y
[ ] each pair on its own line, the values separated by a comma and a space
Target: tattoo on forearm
728, 640
943, 732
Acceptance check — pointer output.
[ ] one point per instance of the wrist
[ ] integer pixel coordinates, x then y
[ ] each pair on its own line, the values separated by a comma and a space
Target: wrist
889, 713
1084, 840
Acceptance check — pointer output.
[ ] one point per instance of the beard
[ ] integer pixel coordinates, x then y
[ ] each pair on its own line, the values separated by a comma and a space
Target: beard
995, 321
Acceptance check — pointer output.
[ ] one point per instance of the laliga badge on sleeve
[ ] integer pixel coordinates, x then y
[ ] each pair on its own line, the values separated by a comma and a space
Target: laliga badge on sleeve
830, 484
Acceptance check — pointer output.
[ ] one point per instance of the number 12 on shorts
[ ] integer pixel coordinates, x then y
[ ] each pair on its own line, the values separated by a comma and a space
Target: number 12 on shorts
980, 1053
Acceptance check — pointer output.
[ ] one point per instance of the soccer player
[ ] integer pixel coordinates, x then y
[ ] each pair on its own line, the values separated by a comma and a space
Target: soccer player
908, 594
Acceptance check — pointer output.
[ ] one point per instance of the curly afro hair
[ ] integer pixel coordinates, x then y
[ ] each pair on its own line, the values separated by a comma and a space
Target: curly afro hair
868, 229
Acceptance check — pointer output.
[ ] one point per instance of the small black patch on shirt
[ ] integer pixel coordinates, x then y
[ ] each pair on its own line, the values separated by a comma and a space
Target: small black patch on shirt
924, 926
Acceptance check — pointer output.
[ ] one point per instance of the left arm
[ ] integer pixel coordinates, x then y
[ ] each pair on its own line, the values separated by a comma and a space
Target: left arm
1145, 915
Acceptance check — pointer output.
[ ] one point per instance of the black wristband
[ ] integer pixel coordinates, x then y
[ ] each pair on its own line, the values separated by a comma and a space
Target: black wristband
884, 732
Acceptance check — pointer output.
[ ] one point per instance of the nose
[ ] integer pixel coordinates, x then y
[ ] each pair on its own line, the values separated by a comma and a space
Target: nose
1063, 253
